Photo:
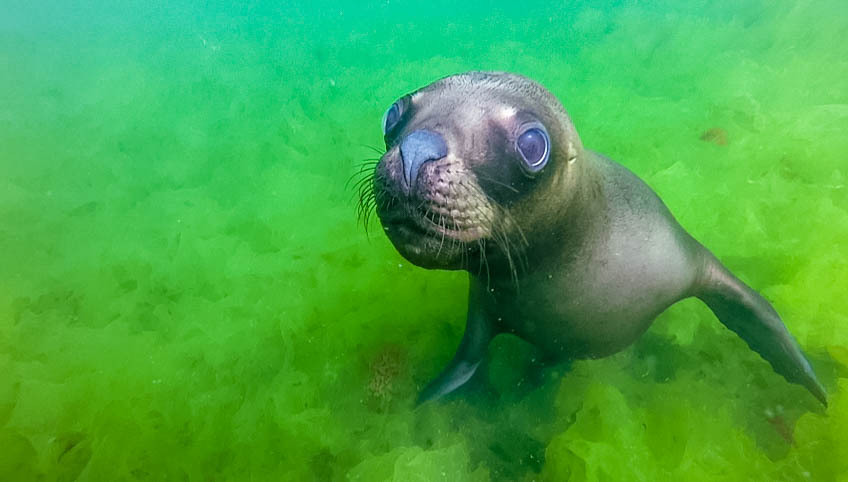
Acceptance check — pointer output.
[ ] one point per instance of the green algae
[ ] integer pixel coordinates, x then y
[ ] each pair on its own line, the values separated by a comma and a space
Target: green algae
186, 293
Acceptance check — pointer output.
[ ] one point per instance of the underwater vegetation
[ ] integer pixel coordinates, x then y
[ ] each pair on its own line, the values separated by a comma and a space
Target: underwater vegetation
186, 293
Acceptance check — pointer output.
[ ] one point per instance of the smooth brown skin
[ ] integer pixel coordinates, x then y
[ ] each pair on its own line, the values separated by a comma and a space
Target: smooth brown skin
577, 259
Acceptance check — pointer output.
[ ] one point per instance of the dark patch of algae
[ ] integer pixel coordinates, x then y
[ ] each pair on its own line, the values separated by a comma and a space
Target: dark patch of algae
186, 296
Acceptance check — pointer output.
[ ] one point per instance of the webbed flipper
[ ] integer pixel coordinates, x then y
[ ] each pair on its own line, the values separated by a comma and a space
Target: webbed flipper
753, 318
471, 352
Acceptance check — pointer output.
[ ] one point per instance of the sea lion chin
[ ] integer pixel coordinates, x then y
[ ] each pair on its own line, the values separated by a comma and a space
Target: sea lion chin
567, 249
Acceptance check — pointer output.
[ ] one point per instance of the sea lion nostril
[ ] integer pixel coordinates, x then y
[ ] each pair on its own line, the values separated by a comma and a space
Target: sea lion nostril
418, 148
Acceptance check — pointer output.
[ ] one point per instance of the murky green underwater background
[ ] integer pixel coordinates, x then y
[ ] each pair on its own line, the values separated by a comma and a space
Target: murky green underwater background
185, 293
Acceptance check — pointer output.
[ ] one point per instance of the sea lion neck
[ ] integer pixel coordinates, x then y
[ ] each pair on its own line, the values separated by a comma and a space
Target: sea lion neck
551, 230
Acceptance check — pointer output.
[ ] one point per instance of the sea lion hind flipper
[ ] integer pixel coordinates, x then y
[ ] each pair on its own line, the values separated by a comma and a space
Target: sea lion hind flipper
468, 358
747, 313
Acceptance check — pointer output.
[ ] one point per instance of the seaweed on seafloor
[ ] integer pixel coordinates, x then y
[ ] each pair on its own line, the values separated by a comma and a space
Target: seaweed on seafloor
715, 135
386, 369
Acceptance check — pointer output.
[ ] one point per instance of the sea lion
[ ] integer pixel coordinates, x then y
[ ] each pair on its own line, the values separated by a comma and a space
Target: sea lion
567, 249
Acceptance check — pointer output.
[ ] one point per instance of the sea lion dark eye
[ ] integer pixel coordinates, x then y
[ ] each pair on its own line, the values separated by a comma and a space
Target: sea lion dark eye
392, 116
533, 145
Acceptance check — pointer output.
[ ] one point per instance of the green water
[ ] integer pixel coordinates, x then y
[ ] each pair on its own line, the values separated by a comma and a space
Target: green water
186, 294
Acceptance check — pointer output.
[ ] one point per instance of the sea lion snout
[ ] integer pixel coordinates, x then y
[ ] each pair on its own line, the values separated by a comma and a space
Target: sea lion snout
418, 148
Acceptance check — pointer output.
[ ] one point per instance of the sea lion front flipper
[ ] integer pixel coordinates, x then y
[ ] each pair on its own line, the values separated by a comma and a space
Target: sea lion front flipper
470, 354
748, 314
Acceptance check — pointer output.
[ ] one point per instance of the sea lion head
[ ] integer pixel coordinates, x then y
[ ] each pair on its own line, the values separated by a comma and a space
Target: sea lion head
473, 164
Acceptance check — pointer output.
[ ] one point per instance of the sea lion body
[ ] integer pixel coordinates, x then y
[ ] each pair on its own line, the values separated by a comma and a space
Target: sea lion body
596, 298
567, 249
